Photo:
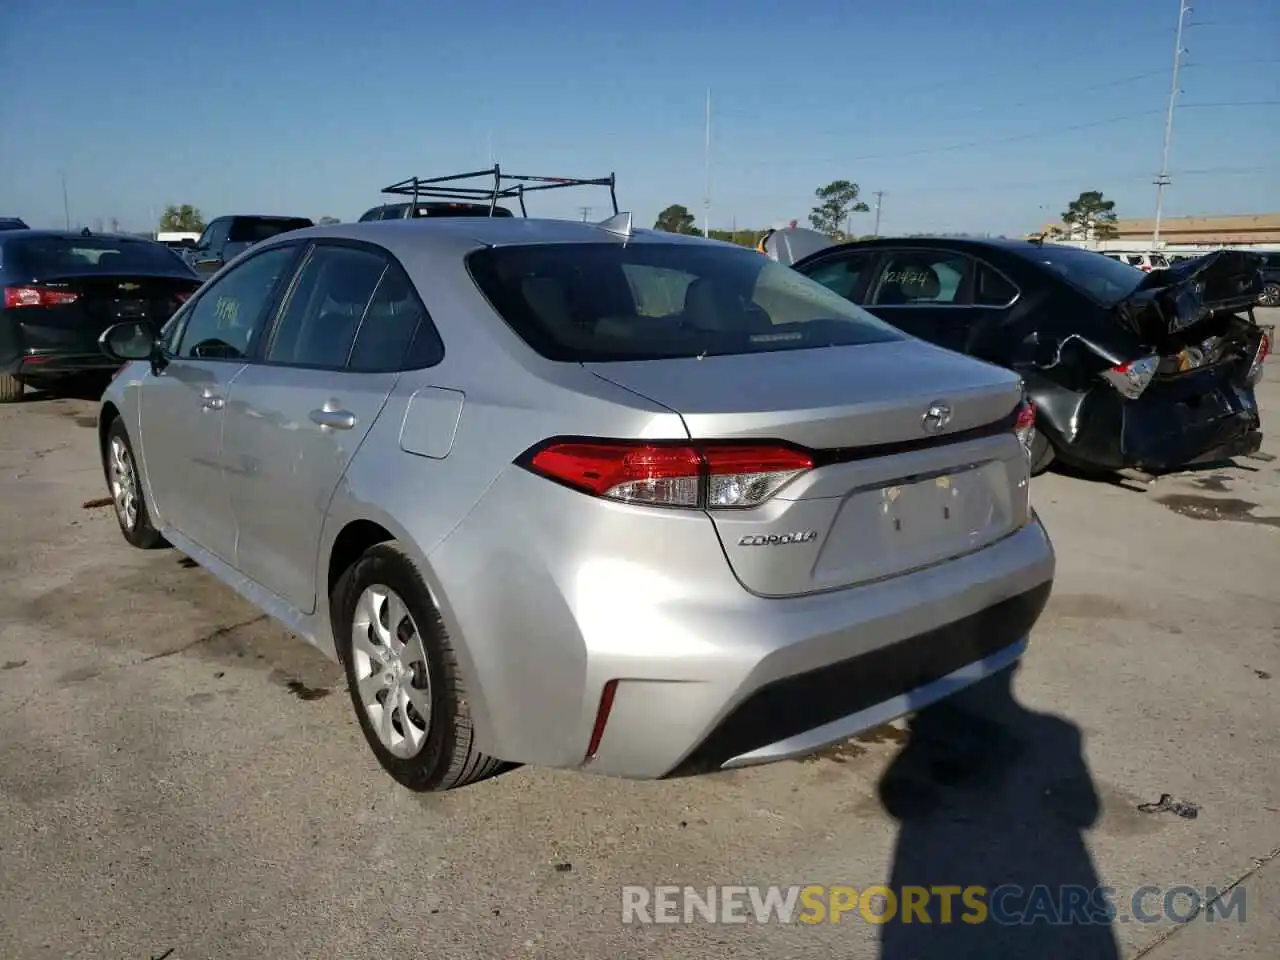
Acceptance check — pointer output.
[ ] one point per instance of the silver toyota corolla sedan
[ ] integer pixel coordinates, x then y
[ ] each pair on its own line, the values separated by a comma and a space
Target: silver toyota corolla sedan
582, 496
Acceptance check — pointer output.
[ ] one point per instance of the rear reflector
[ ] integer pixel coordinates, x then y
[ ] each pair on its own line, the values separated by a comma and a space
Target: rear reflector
711, 476
602, 718
1025, 425
15, 297
1131, 378
1259, 359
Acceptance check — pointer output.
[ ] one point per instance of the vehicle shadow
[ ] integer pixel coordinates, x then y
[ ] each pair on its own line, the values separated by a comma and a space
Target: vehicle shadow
79, 387
990, 794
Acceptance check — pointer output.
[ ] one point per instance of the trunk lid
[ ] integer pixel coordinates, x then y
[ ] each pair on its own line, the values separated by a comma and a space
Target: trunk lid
1168, 302
104, 300
886, 495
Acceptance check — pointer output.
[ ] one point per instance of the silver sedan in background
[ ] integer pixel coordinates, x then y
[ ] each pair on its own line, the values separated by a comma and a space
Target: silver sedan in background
580, 495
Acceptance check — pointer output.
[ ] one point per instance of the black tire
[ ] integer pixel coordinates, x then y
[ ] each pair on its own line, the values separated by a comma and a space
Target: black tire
448, 759
141, 533
1270, 295
11, 388
1042, 454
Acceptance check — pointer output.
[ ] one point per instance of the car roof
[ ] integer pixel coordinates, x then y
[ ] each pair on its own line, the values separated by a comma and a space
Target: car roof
481, 231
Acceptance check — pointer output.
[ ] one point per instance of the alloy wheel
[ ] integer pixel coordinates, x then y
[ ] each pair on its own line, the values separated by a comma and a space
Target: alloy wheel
391, 674
124, 484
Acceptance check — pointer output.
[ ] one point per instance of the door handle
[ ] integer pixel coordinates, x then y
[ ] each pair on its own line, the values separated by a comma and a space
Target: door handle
211, 401
334, 419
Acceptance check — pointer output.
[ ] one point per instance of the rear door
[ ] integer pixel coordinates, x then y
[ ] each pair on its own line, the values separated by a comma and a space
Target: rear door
183, 403
297, 416
927, 293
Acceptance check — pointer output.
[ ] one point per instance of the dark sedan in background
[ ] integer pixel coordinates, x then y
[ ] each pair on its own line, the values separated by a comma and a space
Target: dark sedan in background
1128, 370
62, 289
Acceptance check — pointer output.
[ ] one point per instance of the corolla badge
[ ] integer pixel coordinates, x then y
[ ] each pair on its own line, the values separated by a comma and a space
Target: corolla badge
936, 418
777, 539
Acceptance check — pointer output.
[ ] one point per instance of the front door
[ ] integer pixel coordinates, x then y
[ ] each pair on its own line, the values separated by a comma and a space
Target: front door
183, 403
295, 421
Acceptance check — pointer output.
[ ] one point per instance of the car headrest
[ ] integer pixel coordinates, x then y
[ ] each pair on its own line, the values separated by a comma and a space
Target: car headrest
711, 306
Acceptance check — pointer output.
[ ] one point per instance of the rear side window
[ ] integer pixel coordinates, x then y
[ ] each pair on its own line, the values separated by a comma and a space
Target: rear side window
396, 333
650, 300
325, 307
247, 230
48, 256
993, 289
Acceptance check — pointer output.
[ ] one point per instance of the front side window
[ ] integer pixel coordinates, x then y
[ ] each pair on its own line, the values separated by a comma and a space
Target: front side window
214, 236
649, 300
222, 323
923, 277
842, 274
325, 307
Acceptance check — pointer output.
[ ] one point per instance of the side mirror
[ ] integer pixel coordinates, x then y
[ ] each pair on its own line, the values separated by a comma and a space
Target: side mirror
132, 340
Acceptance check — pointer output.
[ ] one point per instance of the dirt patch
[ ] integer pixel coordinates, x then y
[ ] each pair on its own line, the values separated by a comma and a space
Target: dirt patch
1213, 508
1092, 606
1217, 483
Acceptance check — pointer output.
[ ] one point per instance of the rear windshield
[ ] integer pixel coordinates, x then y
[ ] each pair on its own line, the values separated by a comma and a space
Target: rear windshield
648, 301
1105, 280
255, 231
48, 256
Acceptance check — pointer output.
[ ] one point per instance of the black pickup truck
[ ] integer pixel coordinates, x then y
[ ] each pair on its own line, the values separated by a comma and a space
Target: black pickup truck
226, 237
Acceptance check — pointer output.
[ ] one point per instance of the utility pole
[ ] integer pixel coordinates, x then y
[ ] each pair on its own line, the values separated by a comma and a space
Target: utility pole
1162, 178
66, 205
706, 197
879, 195
585, 211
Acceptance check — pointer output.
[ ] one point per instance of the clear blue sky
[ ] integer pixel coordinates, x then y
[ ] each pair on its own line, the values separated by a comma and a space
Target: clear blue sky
960, 112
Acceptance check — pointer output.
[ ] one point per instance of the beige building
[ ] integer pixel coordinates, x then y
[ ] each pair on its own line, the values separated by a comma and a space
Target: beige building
1233, 229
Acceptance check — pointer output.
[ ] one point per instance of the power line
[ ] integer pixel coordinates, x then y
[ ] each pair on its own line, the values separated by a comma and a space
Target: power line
586, 212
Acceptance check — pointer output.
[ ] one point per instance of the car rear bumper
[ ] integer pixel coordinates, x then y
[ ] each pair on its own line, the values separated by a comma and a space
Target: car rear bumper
51, 363
705, 675
1170, 427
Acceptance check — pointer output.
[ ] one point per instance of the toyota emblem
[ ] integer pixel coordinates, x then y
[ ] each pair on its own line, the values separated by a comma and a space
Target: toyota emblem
936, 418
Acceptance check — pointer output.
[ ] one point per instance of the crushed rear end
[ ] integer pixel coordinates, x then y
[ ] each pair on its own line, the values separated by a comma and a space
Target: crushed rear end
1167, 381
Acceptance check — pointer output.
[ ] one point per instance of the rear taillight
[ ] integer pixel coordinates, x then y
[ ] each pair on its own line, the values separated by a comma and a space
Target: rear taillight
1259, 358
182, 297
1025, 426
711, 476
1131, 378
15, 297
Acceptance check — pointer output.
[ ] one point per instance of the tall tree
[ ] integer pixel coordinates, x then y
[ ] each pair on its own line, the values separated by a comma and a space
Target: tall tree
838, 199
677, 219
325, 221
1091, 216
181, 218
